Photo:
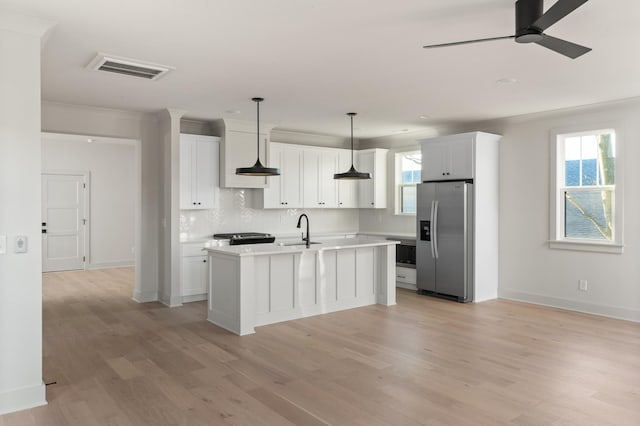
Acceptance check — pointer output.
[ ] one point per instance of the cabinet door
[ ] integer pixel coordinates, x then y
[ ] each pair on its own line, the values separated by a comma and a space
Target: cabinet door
435, 161
366, 193
460, 158
291, 179
328, 185
448, 159
186, 173
347, 189
206, 174
273, 193
311, 167
193, 275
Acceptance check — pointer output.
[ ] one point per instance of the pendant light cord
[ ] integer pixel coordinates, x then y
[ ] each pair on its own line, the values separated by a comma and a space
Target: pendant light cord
258, 130
351, 140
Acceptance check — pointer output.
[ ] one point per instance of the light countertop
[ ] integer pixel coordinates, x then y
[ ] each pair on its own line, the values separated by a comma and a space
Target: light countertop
289, 246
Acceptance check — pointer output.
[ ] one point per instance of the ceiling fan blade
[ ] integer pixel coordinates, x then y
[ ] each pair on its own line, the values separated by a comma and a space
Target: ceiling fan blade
563, 47
556, 12
457, 43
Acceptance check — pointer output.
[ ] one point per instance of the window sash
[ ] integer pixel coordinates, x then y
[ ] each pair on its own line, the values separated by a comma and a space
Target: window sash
591, 219
402, 191
561, 239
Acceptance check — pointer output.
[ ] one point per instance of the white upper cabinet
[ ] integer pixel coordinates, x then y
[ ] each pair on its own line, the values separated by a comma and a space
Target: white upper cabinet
347, 189
448, 157
199, 172
306, 178
320, 188
238, 148
284, 191
373, 192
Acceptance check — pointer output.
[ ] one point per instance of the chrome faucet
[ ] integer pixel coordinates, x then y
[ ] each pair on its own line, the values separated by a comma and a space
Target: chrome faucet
308, 239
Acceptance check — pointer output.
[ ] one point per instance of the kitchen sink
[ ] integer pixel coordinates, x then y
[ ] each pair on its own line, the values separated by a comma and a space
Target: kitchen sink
298, 243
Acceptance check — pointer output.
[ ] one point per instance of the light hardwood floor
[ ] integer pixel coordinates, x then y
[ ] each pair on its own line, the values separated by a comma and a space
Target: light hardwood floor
424, 361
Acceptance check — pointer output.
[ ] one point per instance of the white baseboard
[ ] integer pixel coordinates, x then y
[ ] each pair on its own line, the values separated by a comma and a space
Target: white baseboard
23, 398
145, 296
572, 305
406, 286
109, 265
194, 298
172, 302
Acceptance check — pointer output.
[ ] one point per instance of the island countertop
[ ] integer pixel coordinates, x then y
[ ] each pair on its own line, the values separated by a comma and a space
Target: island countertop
292, 246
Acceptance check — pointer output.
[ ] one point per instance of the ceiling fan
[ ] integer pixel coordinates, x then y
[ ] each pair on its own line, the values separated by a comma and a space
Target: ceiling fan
530, 26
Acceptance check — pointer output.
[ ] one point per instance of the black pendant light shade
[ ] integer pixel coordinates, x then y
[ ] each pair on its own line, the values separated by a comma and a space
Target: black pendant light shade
258, 169
352, 173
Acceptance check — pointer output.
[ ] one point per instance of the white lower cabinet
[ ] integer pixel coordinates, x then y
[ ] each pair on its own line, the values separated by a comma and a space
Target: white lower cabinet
406, 278
194, 272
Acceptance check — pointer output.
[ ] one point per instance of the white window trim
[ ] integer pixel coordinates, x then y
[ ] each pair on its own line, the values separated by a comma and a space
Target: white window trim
398, 178
556, 237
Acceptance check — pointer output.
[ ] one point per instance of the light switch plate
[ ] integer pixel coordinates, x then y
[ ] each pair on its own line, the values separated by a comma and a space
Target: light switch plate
3, 244
20, 244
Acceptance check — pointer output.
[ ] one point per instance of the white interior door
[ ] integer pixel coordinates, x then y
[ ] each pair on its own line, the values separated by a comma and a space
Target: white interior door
63, 221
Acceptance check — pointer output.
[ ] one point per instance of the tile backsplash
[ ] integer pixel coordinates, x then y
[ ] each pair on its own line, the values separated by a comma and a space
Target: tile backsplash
236, 214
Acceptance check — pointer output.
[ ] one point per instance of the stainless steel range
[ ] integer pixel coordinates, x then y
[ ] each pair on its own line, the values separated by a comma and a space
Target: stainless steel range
237, 238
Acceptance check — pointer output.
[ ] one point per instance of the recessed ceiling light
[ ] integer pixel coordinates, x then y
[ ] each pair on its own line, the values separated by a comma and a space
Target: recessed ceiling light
507, 80
424, 117
232, 111
89, 140
401, 131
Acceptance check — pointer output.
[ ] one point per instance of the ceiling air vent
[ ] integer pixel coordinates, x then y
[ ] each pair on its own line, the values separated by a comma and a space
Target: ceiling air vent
126, 66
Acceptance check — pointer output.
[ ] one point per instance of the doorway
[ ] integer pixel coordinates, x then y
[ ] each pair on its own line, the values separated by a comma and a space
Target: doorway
64, 220
110, 225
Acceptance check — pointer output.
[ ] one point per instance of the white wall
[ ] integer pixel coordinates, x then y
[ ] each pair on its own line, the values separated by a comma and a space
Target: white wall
529, 269
84, 120
112, 185
20, 273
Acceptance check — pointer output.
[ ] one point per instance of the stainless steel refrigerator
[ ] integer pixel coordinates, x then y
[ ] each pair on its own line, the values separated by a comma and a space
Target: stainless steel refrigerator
444, 249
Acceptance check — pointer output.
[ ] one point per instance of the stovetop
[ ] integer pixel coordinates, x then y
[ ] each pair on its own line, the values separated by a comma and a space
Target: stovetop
237, 238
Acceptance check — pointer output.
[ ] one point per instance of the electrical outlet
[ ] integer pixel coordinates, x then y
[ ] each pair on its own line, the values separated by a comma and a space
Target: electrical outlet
20, 244
582, 285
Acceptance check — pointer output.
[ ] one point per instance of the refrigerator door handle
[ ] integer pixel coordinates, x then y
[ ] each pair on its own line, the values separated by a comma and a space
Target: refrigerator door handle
434, 229
431, 223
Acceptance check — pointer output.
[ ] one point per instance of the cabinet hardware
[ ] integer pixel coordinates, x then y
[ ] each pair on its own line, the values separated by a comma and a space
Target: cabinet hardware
204, 260
400, 276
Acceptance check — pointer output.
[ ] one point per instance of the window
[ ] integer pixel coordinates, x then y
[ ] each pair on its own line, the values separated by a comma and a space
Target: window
587, 201
408, 171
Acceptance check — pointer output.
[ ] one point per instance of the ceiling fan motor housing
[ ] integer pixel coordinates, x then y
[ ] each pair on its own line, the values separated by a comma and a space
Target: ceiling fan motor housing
528, 12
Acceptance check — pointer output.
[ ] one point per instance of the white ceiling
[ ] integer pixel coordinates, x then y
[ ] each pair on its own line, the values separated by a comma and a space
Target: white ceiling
315, 60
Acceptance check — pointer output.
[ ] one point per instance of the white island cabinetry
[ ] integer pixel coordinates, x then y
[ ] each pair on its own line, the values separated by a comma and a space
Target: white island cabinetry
268, 283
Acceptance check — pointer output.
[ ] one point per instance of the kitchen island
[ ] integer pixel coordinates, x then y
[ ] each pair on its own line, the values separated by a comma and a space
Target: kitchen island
259, 284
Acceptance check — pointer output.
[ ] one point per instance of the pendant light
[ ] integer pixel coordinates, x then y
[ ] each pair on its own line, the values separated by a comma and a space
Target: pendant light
258, 169
352, 173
